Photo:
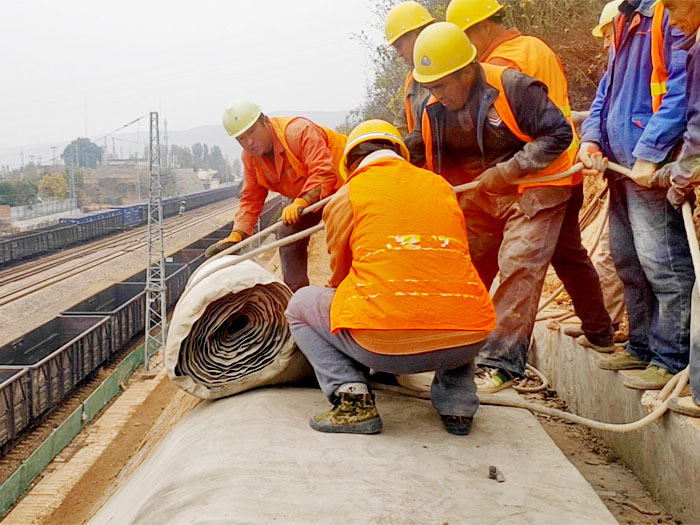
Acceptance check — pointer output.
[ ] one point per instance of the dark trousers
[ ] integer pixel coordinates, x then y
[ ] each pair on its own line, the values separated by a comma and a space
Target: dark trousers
295, 257
578, 275
651, 253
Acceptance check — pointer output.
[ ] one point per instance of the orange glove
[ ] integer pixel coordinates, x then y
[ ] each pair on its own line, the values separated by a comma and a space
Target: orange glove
220, 246
292, 213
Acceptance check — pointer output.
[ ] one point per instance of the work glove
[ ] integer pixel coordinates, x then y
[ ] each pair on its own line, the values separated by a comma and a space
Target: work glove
661, 177
591, 157
500, 178
677, 196
221, 245
292, 213
643, 172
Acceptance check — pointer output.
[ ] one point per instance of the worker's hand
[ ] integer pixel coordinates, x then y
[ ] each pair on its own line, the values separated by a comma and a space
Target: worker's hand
585, 150
661, 177
643, 172
677, 196
497, 179
292, 213
598, 165
221, 245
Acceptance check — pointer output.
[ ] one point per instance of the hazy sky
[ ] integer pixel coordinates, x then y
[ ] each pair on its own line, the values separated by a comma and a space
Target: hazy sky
186, 59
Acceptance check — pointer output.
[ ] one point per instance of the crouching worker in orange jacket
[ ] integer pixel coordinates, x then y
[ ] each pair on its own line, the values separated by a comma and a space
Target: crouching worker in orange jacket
291, 156
404, 296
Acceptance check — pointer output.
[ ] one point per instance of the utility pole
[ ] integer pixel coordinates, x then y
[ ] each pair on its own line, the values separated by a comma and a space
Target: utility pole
71, 173
54, 155
155, 271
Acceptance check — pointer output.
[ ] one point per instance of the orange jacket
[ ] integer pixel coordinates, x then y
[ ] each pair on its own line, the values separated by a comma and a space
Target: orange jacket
532, 56
305, 156
493, 76
409, 265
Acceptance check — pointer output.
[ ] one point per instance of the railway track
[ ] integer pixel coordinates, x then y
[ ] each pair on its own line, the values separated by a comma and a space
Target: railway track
92, 255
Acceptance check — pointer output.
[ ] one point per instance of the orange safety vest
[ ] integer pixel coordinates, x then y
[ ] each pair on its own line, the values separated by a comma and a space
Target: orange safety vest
334, 140
659, 71
410, 120
494, 77
411, 268
535, 58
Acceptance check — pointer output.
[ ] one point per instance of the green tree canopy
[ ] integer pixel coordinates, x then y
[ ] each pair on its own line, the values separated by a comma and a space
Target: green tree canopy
18, 193
83, 153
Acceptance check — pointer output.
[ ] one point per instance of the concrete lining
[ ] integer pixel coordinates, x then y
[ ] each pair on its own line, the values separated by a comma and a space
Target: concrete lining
252, 458
665, 456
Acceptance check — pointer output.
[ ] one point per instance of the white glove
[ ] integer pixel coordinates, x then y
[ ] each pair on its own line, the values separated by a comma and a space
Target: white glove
643, 172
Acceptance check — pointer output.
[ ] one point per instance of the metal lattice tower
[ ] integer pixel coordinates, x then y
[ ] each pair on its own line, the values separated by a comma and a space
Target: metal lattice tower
155, 272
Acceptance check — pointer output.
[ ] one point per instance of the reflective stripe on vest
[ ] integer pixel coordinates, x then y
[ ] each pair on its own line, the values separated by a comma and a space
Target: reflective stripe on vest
659, 72
534, 57
411, 267
502, 106
335, 141
410, 121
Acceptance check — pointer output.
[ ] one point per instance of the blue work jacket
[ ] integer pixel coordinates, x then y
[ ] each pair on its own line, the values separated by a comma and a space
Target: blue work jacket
622, 121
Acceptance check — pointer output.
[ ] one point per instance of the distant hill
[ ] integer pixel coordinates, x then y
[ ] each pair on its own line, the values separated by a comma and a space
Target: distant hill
213, 135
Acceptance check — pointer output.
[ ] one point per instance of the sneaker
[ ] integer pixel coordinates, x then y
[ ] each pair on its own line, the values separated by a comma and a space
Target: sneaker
351, 414
623, 361
653, 378
490, 380
457, 425
602, 348
573, 331
683, 405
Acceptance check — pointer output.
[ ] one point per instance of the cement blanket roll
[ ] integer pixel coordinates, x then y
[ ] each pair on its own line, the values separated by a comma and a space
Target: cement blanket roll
228, 332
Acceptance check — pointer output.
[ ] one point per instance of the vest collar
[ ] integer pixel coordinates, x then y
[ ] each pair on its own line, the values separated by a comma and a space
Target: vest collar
378, 155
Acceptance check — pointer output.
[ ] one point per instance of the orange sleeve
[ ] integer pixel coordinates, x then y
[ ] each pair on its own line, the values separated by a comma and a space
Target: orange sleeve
252, 201
339, 219
310, 144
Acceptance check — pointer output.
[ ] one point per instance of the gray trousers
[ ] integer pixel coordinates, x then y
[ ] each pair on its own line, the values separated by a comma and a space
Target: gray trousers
338, 359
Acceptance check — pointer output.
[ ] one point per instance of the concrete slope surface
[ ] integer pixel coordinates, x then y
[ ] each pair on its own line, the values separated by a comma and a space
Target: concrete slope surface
252, 458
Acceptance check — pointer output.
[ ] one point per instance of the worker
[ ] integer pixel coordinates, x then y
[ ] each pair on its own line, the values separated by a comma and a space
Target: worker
483, 23
403, 296
684, 172
181, 209
637, 118
403, 24
610, 283
496, 124
289, 155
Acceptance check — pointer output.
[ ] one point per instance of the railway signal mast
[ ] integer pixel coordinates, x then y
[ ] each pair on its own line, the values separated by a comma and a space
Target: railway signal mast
155, 272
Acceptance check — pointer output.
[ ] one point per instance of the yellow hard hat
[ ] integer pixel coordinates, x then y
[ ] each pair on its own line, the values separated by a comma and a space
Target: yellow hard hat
441, 49
404, 18
607, 15
369, 130
240, 115
466, 13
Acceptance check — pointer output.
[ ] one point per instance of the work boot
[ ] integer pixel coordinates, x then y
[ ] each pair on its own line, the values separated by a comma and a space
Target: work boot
604, 347
653, 378
490, 380
351, 414
457, 425
684, 405
623, 361
573, 331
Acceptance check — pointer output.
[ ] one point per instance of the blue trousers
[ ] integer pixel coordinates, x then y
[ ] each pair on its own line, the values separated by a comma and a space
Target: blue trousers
338, 359
650, 250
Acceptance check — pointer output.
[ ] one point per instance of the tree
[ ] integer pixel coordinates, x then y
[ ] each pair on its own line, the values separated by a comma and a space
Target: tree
237, 170
53, 186
18, 193
182, 156
218, 162
82, 152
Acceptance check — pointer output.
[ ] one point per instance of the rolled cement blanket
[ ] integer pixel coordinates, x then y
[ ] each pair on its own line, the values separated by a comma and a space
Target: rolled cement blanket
228, 332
